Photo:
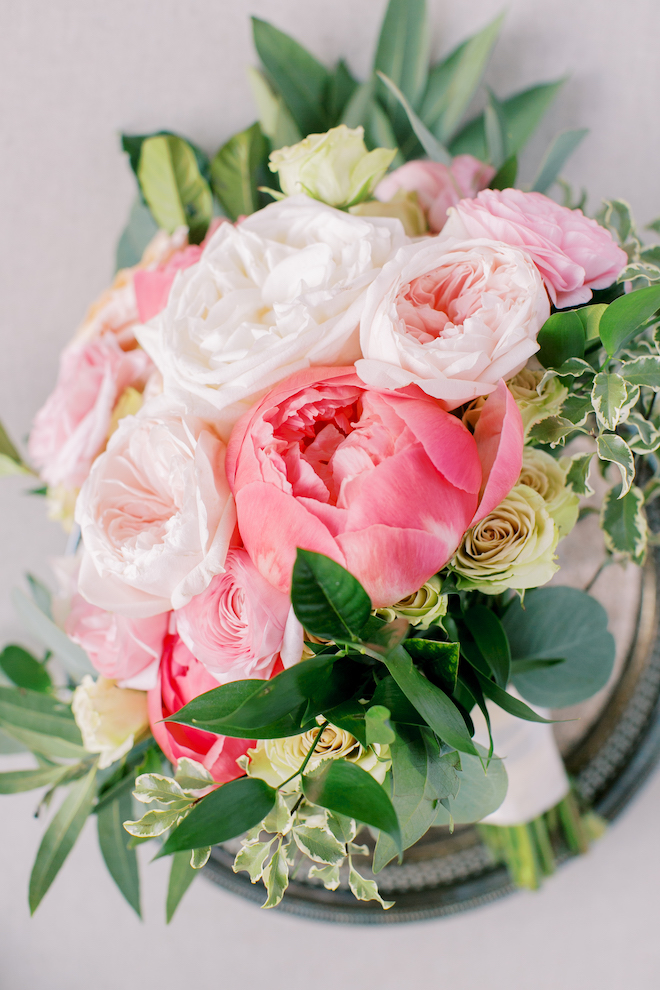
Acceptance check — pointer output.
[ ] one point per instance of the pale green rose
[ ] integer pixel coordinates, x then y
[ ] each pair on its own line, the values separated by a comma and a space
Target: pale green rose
403, 206
546, 476
110, 718
513, 547
334, 167
273, 760
422, 608
534, 407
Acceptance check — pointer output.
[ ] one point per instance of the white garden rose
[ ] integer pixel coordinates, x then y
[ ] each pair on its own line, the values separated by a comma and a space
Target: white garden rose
156, 514
546, 476
452, 317
422, 608
279, 292
110, 718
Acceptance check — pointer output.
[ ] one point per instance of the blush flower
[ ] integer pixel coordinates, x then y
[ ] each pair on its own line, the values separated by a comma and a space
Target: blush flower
384, 483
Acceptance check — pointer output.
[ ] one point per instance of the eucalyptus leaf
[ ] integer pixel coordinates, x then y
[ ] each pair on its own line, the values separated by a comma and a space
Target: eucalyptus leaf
181, 876
113, 840
623, 522
483, 787
561, 148
73, 658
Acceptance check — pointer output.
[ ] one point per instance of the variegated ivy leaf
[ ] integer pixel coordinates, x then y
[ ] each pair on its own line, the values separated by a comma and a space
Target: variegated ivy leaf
200, 857
154, 823
329, 875
651, 490
356, 850
576, 409
611, 399
279, 819
615, 449
623, 522
617, 217
319, 844
643, 371
577, 476
365, 890
156, 787
573, 368
554, 430
344, 829
252, 858
640, 273
192, 776
648, 438
276, 877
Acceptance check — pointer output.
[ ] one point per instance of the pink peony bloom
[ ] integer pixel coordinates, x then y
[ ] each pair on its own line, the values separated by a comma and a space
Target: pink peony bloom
181, 679
236, 627
152, 285
437, 186
121, 649
72, 428
384, 483
573, 253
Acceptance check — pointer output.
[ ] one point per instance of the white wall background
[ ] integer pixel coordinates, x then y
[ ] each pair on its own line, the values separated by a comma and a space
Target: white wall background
72, 75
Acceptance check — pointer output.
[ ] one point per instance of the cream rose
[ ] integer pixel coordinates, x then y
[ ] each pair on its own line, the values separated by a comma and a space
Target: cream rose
156, 514
274, 760
546, 476
512, 547
280, 292
110, 718
422, 608
536, 405
453, 317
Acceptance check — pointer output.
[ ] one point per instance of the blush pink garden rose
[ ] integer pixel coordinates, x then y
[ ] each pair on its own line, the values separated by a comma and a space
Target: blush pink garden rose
573, 253
236, 628
453, 317
156, 514
437, 186
384, 483
182, 678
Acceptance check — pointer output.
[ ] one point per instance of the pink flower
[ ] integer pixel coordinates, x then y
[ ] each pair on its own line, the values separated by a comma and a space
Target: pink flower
386, 484
573, 253
72, 428
121, 649
181, 679
437, 186
236, 627
152, 285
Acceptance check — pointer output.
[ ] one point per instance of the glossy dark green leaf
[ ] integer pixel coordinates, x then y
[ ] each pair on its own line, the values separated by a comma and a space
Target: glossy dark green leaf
300, 78
506, 177
41, 722
28, 780
561, 148
434, 706
432, 147
402, 55
349, 790
173, 187
223, 814
60, 837
139, 230
439, 661
181, 876
490, 637
507, 701
113, 840
327, 600
561, 337
24, 670
560, 622
234, 172
626, 315
341, 89
350, 716
389, 694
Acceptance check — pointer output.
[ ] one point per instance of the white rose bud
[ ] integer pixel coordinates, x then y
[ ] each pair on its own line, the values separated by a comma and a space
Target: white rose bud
274, 760
422, 608
512, 547
546, 476
334, 167
109, 718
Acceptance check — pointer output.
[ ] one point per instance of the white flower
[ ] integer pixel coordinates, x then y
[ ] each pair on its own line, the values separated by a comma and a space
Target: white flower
451, 317
281, 291
547, 476
422, 608
109, 718
156, 514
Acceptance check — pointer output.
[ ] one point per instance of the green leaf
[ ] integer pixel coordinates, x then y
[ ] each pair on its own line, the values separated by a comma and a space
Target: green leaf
154, 823
377, 726
495, 130
358, 109
648, 439
389, 694
175, 190
234, 172
623, 522
576, 409
523, 112
626, 315
366, 890
561, 148
554, 429
28, 780
505, 178
319, 844
591, 317
7, 448
615, 449
60, 836
481, 790
379, 133
223, 814
276, 877
181, 876
524, 666
156, 787
560, 622
251, 858
299, 77
72, 657
432, 147
23, 670
275, 119
490, 637
279, 818
608, 396
402, 54
507, 701
561, 337
577, 475
453, 83
643, 371
41, 594
327, 600
432, 704
140, 229
439, 661
345, 788
113, 840
40, 721
329, 875
342, 88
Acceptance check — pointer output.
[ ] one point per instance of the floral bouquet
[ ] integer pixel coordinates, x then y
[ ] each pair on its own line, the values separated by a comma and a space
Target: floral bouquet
309, 449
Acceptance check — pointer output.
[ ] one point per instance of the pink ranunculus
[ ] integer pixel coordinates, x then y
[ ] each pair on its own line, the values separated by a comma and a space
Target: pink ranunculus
236, 627
384, 483
181, 679
573, 253
121, 649
71, 429
437, 186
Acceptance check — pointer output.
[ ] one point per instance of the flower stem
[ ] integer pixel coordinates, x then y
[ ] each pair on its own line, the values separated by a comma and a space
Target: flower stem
307, 757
